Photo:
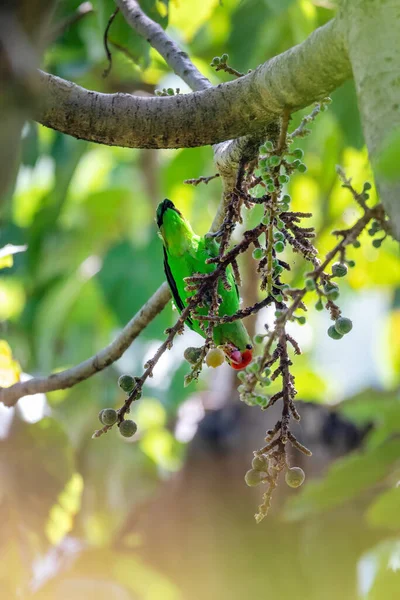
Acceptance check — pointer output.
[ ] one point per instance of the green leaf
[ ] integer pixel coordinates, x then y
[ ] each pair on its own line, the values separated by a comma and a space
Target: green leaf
384, 511
369, 405
161, 446
189, 22
122, 36
246, 27
278, 7
188, 162
30, 145
346, 479
387, 161
378, 407
344, 106
129, 276
67, 153
51, 315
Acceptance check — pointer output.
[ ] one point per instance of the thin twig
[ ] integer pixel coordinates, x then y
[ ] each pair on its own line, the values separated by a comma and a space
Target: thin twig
283, 132
201, 179
228, 69
105, 41
227, 156
178, 60
105, 357
240, 314
183, 66
301, 130
348, 238
207, 282
346, 183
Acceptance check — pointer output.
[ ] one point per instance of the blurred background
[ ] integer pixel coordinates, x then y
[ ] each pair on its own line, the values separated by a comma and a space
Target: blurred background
166, 515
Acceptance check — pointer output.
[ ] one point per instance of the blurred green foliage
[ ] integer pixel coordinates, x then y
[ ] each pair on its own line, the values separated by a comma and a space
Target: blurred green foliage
86, 213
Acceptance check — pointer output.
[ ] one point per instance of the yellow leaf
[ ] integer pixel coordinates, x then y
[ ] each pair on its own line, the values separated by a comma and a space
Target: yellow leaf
6, 254
6, 261
183, 18
9, 368
160, 445
161, 8
62, 514
150, 414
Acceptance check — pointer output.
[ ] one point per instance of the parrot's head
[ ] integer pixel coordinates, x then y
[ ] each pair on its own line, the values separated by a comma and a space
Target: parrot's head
237, 359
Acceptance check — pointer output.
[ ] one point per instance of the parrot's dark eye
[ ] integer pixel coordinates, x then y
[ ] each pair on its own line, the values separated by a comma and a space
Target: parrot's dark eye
249, 347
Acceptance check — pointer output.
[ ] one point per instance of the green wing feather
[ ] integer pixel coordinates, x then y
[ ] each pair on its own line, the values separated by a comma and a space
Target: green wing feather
186, 253
180, 305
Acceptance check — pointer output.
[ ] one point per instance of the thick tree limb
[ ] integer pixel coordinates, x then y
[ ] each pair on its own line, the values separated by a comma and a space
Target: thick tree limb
245, 106
292, 80
227, 158
227, 155
70, 377
372, 34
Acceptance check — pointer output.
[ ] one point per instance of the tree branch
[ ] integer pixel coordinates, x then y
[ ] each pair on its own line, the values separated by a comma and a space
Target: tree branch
173, 55
70, 377
182, 65
372, 36
227, 155
190, 120
292, 80
245, 106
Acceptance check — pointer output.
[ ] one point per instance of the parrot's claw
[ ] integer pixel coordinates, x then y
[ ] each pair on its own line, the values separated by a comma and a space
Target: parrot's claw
214, 235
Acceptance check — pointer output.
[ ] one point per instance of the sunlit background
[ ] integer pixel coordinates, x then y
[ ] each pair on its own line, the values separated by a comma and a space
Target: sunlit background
166, 515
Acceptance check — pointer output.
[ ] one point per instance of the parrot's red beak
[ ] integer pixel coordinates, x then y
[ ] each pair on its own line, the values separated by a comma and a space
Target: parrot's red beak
238, 360
245, 359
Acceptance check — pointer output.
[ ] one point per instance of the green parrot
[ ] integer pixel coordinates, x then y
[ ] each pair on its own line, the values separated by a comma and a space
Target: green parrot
185, 254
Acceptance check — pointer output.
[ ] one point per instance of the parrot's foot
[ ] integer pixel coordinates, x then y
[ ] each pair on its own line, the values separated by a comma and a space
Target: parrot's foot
214, 235
225, 226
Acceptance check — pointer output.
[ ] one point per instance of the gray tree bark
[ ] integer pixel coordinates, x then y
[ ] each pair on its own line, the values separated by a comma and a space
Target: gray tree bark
302, 75
372, 33
362, 40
